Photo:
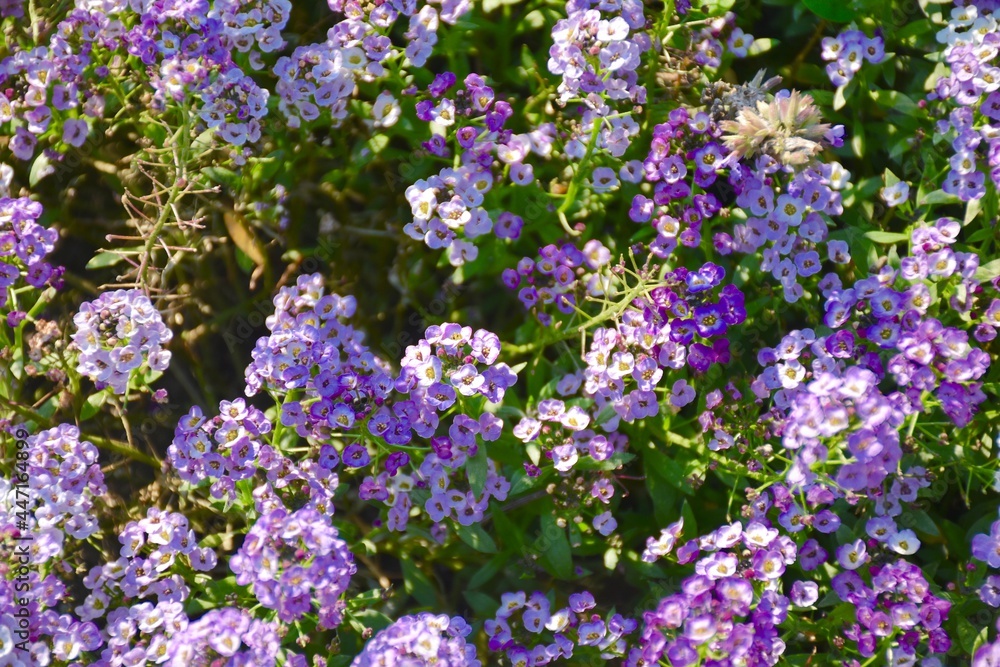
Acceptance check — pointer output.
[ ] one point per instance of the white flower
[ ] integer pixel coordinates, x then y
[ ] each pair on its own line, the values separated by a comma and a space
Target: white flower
6, 641
385, 110
838, 177
904, 542
614, 30
894, 195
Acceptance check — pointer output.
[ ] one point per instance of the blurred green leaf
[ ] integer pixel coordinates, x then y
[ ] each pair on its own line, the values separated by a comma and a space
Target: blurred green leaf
103, 260
895, 100
93, 405
556, 554
762, 45
477, 538
477, 468
40, 168
939, 197
988, 271
887, 237
837, 11
416, 584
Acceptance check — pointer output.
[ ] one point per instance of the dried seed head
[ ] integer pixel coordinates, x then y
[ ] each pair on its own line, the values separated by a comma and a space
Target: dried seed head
788, 129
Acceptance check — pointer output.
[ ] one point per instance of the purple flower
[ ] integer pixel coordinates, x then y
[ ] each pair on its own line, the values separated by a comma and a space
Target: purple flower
709, 320
852, 555
681, 393
804, 593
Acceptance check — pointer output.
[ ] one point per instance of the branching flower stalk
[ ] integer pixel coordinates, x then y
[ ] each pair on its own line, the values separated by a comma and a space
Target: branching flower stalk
152, 213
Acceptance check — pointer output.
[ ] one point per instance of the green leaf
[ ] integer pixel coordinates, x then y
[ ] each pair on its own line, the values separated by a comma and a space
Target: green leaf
490, 5
533, 20
762, 45
476, 468
213, 541
521, 482
481, 603
972, 209
889, 71
93, 405
939, 197
511, 534
611, 558
890, 178
223, 176
887, 237
534, 452
214, 593
416, 584
477, 538
858, 140
370, 149
265, 168
690, 522
614, 462
988, 271
517, 368
487, 572
204, 141
673, 471
103, 260
661, 491
839, 98
837, 11
895, 100
40, 168
244, 494
921, 521
968, 634
373, 619
980, 640
156, 133
553, 547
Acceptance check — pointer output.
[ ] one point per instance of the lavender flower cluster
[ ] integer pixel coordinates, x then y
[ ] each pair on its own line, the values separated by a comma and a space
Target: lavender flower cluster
986, 549
320, 78
23, 246
296, 564
897, 600
573, 627
790, 221
232, 447
730, 609
675, 211
562, 275
598, 59
150, 549
450, 204
424, 639
739, 579
229, 634
337, 380
932, 357
53, 83
65, 476
970, 42
117, 334
847, 51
